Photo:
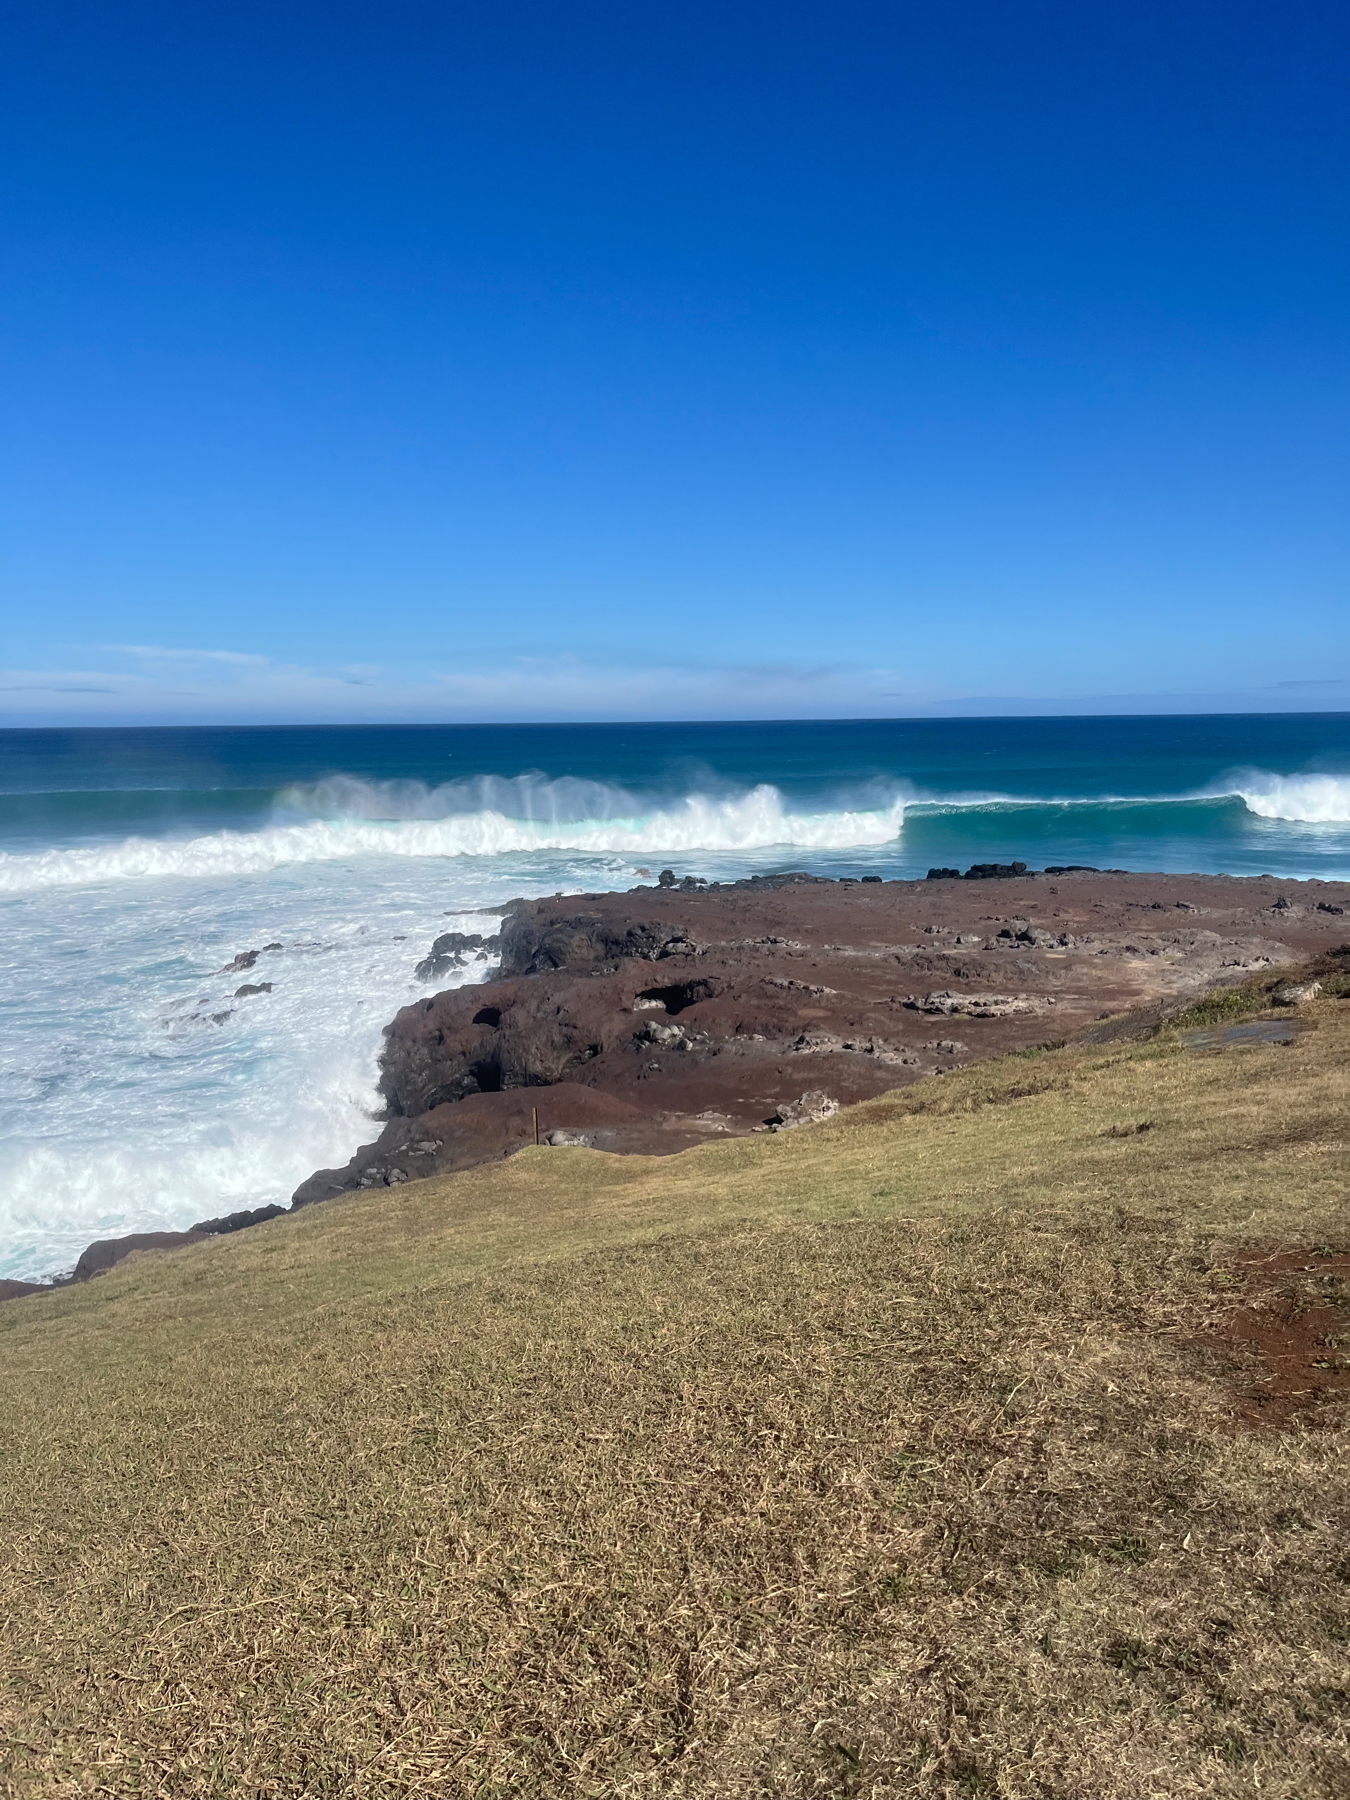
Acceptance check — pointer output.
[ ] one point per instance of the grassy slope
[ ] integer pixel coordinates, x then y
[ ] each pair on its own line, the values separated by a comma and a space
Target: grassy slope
882, 1458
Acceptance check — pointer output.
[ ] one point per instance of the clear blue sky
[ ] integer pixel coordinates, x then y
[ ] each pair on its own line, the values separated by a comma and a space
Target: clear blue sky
613, 360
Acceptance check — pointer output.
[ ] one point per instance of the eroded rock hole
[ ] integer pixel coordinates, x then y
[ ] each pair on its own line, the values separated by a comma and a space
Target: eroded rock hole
682, 994
488, 1015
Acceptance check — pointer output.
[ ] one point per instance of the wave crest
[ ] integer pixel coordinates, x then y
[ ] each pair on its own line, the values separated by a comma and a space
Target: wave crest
343, 817
753, 821
1301, 799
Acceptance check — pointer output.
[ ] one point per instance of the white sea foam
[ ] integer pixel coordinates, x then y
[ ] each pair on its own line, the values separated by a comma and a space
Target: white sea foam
1297, 799
1302, 799
494, 817
753, 821
139, 1091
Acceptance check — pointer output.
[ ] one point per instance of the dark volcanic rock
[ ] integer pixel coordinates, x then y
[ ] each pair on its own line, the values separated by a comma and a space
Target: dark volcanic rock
236, 1221
707, 1010
587, 940
650, 1021
452, 950
485, 1127
15, 1290
109, 1251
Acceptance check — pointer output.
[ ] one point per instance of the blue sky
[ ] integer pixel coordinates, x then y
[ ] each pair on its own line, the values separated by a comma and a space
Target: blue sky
615, 361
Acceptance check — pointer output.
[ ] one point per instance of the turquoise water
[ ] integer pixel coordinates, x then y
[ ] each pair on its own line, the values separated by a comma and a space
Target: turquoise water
138, 1090
1238, 793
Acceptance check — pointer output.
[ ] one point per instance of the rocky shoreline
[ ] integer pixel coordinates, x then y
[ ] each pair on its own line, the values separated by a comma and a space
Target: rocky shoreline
648, 1021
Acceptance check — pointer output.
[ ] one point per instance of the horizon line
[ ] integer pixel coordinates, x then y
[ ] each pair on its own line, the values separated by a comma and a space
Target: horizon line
655, 724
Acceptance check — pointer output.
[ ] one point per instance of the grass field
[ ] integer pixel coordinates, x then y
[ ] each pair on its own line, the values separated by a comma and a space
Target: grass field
919, 1453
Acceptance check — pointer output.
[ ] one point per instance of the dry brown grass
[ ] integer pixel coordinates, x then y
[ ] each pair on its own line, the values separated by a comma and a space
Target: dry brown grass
900, 1456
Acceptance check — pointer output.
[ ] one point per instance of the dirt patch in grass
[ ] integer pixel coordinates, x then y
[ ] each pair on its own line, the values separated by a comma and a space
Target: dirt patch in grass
1294, 1326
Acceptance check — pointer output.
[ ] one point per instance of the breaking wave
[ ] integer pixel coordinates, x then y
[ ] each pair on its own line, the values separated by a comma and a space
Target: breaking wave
342, 818
1302, 799
752, 821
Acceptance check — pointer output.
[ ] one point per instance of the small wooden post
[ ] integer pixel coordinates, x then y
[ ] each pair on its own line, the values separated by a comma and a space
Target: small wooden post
535, 1111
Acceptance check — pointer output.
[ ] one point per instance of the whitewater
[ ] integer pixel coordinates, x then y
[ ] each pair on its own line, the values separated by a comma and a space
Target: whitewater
140, 1088
755, 821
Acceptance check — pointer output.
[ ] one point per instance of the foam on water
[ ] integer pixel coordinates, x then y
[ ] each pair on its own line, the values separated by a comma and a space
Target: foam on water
127, 1104
1303, 799
756, 820
408, 819
138, 1093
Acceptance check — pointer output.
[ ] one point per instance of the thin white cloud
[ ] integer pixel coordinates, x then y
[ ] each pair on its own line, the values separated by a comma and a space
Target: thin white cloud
167, 653
229, 687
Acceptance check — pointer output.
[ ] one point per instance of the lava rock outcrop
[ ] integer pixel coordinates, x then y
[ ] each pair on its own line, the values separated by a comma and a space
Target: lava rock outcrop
651, 1020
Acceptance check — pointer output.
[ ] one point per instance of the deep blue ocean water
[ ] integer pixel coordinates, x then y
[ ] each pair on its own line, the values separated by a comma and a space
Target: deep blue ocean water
138, 1090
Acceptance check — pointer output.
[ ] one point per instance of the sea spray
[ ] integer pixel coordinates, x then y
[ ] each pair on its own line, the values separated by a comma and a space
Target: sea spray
698, 823
1301, 799
139, 1089
752, 821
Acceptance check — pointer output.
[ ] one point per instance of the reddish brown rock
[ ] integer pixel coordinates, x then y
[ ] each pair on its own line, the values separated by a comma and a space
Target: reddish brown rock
15, 1290
711, 1010
484, 1127
103, 1255
108, 1252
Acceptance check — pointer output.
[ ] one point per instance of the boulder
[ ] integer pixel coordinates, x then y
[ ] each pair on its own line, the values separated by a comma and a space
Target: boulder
533, 944
244, 960
1295, 993
102, 1256
15, 1290
236, 1221
978, 1006
810, 1109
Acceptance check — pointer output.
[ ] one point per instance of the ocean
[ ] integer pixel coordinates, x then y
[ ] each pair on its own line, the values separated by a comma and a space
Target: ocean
140, 1089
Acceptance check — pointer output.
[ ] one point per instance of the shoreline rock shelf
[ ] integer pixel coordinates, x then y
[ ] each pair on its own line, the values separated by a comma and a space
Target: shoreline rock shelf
642, 1021
649, 1021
